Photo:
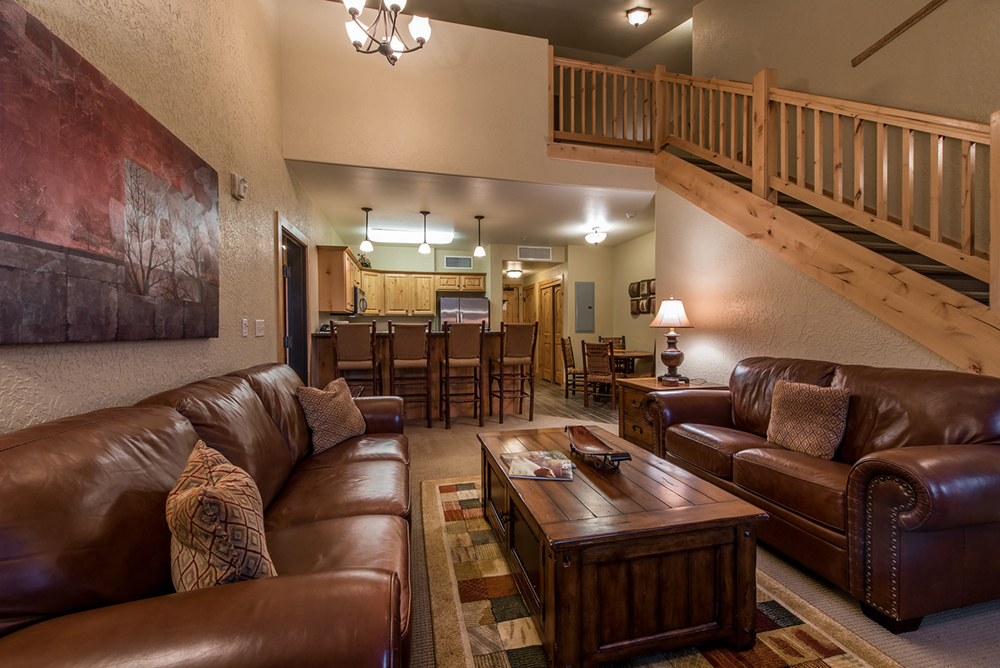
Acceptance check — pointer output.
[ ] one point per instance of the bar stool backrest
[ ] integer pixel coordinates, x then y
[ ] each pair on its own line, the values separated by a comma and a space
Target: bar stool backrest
519, 340
409, 342
597, 359
463, 341
569, 361
618, 342
354, 342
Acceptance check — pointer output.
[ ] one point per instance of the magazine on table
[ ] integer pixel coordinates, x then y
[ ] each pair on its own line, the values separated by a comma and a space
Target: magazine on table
539, 465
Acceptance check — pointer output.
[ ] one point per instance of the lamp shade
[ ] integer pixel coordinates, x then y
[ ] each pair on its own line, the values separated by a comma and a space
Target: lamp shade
671, 314
420, 28
357, 34
354, 6
366, 246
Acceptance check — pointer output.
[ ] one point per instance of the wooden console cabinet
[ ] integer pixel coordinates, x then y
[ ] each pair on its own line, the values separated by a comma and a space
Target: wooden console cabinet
632, 426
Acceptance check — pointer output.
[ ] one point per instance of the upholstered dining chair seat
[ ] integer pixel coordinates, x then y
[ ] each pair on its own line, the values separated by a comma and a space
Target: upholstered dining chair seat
510, 361
350, 365
600, 379
575, 369
410, 364
464, 362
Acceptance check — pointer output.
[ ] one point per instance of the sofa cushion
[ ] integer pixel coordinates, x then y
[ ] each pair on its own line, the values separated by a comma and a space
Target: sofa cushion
752, 383
807, 418
217, 524
331, 414
710, 447
348, 490
813, 487
375, 541
229, 417
894, 408
364, 448
275, 385
82, 504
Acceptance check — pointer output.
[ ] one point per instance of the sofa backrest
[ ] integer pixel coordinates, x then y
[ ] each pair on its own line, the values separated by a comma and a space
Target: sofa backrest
893, 408
229, 417
82, 520
752, 384
276, 386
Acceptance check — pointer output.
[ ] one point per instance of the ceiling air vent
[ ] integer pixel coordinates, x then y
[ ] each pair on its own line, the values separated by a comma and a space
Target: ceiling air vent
458, 262
534, 253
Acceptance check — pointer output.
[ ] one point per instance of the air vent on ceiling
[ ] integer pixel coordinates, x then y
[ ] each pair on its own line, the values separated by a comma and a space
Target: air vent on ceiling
534, 253
458, 262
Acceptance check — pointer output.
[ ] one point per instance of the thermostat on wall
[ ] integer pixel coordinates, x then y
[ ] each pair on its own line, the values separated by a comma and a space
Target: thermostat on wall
240, 186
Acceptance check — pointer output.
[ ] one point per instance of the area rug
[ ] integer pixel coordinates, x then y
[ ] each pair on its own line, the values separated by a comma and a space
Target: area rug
480, 620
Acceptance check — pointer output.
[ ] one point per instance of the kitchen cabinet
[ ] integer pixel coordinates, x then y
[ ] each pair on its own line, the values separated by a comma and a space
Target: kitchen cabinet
395, 295
372, 284
339, 273
449, 282
422, 294
461, 283
408, 294
474, 283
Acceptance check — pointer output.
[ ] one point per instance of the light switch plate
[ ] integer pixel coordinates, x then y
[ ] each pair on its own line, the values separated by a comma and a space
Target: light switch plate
245, 327
258, 328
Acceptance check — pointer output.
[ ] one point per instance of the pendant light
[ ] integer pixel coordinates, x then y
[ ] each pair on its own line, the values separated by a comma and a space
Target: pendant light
425, 248
366, 245
480, 251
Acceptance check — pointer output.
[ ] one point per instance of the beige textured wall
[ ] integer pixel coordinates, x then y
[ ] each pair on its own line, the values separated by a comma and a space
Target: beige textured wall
744, 301
633, 261
584, 264
672, 50
472, 102
946, 64
208, 70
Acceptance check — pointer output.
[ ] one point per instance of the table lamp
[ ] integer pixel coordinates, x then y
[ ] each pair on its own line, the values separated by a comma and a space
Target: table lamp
671, 314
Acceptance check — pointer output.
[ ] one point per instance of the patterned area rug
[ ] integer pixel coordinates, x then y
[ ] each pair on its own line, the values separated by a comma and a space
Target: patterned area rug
480, 620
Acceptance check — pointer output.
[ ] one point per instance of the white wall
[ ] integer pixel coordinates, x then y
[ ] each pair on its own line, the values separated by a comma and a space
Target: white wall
634, 261
209, 72
585, 264
744, 301
473, 102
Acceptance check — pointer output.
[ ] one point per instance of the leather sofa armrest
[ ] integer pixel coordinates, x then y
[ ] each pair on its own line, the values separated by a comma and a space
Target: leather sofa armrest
349, 617
383, 415
941, 486
670, 407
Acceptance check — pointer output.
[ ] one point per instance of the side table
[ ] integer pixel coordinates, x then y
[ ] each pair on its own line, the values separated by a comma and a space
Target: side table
632, 426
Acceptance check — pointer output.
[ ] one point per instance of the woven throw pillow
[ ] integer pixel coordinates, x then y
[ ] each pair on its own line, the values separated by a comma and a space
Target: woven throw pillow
331, 414
216, 519
808, 418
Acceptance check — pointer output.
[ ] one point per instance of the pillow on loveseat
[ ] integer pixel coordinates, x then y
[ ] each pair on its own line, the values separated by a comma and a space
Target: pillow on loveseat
331, 414
808, 418
216, 521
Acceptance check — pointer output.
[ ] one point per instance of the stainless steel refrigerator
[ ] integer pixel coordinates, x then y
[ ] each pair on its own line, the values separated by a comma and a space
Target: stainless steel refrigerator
464, 309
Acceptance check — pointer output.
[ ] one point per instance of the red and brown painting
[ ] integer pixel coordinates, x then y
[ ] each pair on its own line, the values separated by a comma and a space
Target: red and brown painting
109, 224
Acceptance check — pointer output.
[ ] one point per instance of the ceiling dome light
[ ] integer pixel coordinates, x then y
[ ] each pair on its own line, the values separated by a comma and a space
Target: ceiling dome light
514, 273
638, 15
366, 245
425, 248
480, 251
596, 236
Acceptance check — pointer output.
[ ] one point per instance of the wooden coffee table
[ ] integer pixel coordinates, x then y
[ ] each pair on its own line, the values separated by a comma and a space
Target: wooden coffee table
625, 562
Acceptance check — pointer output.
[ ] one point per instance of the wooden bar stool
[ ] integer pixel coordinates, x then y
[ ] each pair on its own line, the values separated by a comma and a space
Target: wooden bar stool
354, 351
517, 363
598, 371
573, 373
409, 352
463, 349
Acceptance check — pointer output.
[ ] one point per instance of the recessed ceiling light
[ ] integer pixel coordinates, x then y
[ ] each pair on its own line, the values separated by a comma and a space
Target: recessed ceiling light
638, 15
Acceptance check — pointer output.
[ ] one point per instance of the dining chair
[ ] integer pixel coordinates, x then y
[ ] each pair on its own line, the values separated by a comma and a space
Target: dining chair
354, 352
622, 366
573, 373
463, 349
516, 363
598, 372
409, 355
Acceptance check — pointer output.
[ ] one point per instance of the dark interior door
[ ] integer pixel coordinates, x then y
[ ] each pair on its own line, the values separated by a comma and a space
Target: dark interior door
296, 320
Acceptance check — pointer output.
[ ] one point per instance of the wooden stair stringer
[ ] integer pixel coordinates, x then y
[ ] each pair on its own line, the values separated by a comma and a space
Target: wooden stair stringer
954, 326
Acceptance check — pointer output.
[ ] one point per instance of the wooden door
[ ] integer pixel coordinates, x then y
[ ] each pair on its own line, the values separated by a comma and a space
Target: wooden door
557, 326
371, 283
422, 294
511, 304
545, 333
395, 294
530, 313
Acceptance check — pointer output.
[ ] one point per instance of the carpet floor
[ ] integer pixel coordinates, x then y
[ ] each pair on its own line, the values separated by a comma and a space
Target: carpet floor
966, 638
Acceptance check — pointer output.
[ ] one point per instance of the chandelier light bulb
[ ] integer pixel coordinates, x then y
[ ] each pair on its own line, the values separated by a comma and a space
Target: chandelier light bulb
356, 33
397, 46
397, 5
596, 236
637, 15
354, 7
420, 28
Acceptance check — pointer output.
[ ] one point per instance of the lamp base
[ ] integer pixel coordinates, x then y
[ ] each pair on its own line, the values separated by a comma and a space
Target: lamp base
672, 359
667, 379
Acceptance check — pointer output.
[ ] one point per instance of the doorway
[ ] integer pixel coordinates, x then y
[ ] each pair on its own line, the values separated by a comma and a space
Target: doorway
550, 329
295, 336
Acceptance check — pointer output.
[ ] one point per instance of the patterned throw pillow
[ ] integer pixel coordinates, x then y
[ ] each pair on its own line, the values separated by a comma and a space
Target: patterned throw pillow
808, 418
331, 413
217, 524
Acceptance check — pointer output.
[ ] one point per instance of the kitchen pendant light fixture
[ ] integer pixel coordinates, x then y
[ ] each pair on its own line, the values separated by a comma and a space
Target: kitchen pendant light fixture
596, 236
383, 36
480, 251
425, 248
366, 245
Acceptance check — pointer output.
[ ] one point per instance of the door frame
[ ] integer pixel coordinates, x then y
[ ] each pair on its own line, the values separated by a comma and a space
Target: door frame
281, 227
546, 285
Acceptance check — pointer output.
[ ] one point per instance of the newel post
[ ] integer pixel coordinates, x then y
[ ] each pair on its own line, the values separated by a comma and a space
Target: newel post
995, 210
765, 130
552, 93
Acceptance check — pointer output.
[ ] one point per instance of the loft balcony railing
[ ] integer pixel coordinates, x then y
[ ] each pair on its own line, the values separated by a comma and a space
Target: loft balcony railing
922, 181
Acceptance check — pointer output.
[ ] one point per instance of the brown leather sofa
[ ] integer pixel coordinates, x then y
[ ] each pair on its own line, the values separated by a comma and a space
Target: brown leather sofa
84, 544
906, 516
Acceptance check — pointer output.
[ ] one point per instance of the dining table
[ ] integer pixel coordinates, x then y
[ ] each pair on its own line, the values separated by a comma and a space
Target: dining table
625, 359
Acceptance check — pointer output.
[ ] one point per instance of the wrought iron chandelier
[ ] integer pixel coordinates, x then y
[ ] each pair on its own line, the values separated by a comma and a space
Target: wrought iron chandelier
382, 36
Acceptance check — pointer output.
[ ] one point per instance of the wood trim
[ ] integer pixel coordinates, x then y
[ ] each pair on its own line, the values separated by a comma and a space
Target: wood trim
764, 145
595, 67
713, 84
600, 154
915, 241
949, 323
897, 31
995, 212
607, 141
717, 158
281, 225
552, 92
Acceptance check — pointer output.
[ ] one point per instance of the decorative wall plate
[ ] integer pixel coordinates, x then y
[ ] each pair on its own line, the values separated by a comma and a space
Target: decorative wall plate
633, 289
644, 288
652, 287
634, 307
644, 305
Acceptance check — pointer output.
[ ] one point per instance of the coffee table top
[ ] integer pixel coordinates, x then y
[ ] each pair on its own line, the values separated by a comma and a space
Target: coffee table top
646, 496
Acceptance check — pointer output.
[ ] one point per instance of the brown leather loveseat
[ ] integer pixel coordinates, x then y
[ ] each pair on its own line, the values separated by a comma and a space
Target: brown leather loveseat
906, 516
85, 548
